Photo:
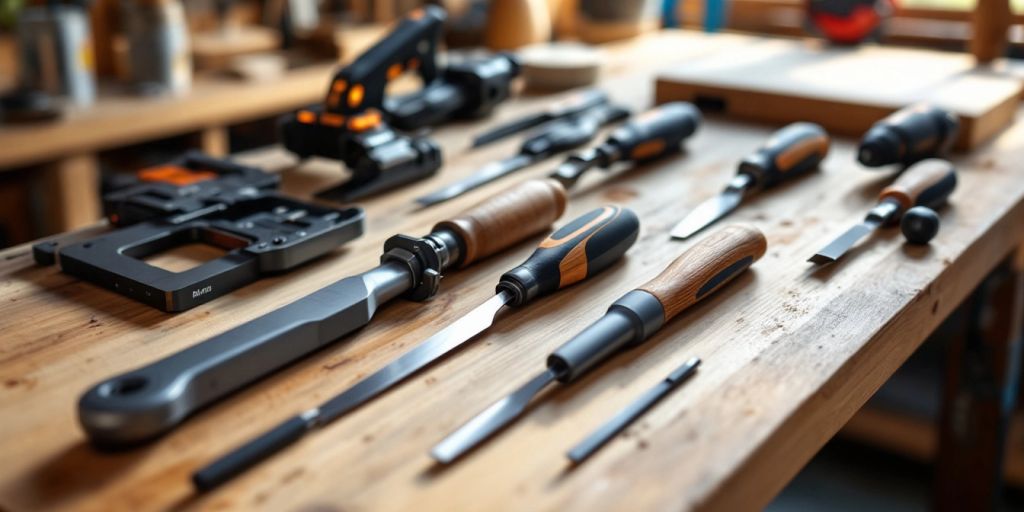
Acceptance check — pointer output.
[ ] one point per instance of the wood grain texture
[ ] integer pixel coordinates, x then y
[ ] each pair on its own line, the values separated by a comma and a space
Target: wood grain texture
706, 267
790, 352
508, 218
915, 180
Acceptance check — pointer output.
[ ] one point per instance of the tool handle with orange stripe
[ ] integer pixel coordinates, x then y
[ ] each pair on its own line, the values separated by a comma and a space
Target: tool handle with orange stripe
657, 132
705, 267
926, 183
793, 151
578, 250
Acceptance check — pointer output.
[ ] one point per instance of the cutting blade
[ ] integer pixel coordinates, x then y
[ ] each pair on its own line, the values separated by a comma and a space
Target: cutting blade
511, 128
485, 175
493, 419
839, 246
430, 350
708, 212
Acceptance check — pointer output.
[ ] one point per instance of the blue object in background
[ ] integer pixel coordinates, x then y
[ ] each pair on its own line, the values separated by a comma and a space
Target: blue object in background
669, 12
714, 14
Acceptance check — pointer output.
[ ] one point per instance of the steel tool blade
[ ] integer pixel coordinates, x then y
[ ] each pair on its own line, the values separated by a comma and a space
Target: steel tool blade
511, 128
425, 353
708, 212
486, 174
839, 246
490, 421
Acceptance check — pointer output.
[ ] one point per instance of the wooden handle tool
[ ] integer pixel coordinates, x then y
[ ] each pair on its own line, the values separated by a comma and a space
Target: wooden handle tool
926, 183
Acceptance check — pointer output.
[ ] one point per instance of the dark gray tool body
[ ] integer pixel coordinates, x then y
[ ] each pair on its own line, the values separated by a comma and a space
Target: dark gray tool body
620, 421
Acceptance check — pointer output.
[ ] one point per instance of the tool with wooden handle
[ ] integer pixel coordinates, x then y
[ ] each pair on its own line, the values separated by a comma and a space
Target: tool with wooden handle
791, 152
926, 183
649, 136
909, 135
578, 250
144, 403
573, 105
629, 321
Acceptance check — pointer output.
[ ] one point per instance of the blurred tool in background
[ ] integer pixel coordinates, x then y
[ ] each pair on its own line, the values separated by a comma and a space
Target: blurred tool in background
847, 22
56, 54
909, 135
159, 55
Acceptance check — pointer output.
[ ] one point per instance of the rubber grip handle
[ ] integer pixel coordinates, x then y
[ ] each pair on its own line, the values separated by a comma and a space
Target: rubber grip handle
926, 183
249, 454
507, 218
580, 249
705, 267
792, 151
656, 132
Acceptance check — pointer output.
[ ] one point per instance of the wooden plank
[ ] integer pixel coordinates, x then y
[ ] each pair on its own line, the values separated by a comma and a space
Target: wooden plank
845, 90
790, 354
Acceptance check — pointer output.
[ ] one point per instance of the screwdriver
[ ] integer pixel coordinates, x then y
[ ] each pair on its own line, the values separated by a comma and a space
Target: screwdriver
909, 135
650, 136
571, 106
632, 319
620, 421
926, 183
791, 152
579, 250
559, 136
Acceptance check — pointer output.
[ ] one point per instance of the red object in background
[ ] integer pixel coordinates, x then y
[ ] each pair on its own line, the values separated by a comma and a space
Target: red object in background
847, 21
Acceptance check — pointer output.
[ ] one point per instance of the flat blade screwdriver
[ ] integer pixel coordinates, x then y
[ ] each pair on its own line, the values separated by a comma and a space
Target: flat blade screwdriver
603, 235
926, 183
631, 320
561, 135
571, 106
791, 152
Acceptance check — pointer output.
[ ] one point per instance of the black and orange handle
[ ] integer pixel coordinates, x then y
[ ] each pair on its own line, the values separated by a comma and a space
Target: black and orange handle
578, 250
926, 183
792, 151
705, 267
656, 132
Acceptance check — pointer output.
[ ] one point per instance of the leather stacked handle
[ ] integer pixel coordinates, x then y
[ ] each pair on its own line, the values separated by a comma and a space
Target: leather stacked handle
580, 249
507, 218
926, 183
704, 268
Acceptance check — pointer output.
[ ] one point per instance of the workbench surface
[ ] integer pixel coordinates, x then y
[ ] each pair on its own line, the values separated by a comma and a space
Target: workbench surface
790, 352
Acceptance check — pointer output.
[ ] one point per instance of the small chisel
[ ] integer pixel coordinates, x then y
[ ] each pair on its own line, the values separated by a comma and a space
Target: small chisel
559, 136
926, 183
620, 421
629, 321
571, 106
651, 135
791, 152
579, 250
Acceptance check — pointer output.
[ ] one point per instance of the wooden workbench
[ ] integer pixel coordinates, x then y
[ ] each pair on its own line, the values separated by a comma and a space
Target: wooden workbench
790, 353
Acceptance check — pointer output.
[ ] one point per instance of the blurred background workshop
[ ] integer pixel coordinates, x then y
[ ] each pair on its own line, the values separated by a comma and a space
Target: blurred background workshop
348, 121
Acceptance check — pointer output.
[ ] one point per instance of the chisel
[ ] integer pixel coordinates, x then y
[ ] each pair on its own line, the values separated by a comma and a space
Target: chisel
142, 404
926, 183
559, 136
649, 136
791, 152
578, 250
571, 106
632, 319
620, 421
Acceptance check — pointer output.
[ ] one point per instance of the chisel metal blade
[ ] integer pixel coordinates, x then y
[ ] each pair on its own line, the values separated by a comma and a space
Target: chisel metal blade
511, 128
490, 421
430, 350
839, 246
485, 175
708, 212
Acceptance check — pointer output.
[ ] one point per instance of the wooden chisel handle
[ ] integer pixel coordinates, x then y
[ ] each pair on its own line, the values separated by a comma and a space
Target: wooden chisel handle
580, 249
926, 183
507, 218
704, 268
